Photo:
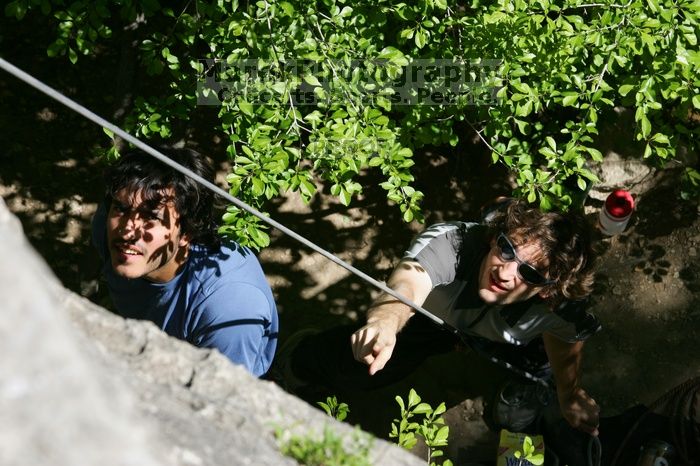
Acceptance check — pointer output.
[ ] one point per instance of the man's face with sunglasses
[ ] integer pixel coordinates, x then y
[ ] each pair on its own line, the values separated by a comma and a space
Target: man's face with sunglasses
511, 273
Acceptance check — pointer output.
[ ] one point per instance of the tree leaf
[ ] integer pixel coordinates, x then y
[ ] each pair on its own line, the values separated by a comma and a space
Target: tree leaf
413, 398
311, 79
569, 100
596, 155
646, 126
245, 107
420, 38
307, 188
524, 109
442, 434
696, 101
625, 89
660, 138
345, 197
422, 408
551, 142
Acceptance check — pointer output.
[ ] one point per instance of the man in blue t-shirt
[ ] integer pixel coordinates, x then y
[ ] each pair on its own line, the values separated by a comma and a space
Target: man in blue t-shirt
163, 261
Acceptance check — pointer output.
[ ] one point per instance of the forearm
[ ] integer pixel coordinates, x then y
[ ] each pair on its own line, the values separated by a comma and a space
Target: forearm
374, 343
565, 360
577, 407
410, 281
390, 311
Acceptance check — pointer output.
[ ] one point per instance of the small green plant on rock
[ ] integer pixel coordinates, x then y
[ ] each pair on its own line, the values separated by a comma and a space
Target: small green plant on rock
432, 429
528, 456
334, 409
328, 450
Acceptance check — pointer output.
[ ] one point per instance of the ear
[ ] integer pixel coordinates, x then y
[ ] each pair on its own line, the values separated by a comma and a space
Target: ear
184, 241
545, 293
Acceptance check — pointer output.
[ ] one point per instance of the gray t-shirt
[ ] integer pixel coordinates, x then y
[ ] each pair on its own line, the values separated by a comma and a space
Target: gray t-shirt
452, 253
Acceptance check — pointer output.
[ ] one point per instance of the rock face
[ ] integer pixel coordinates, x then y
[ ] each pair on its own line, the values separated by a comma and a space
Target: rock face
82, 386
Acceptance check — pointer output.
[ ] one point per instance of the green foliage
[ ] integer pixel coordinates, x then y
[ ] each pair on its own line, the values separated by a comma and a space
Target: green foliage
432, 429
329, 450
324, 91
334, 409
111, 154
528, 453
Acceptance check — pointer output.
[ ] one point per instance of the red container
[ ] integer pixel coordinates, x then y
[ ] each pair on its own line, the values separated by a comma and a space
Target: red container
616, 212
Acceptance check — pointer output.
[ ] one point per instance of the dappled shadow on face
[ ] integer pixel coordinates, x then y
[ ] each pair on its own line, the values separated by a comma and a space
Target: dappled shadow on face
147, 221
164, 252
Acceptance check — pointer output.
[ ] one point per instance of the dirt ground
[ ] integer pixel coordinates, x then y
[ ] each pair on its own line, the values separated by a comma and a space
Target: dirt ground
648, 284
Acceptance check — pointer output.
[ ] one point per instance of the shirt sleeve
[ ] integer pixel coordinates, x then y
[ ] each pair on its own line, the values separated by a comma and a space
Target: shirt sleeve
440, 251
236, 319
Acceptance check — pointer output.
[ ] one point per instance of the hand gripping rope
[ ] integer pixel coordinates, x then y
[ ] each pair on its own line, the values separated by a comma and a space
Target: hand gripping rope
49, 91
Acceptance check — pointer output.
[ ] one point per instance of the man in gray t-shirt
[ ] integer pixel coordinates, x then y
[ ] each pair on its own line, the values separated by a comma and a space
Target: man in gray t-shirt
520, 277
454, 296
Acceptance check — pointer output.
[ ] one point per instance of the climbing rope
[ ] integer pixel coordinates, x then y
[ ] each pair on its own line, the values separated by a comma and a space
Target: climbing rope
54, 94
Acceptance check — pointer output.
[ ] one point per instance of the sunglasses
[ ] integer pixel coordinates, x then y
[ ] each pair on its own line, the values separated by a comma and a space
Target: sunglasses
526, 272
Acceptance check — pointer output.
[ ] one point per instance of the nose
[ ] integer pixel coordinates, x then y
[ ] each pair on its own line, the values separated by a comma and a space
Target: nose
509, 271
131, 226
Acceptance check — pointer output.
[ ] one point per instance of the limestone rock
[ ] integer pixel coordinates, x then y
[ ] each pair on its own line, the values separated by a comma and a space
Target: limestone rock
58, 403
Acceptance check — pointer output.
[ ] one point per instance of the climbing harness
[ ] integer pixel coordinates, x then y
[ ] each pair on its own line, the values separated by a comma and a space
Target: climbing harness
54, 94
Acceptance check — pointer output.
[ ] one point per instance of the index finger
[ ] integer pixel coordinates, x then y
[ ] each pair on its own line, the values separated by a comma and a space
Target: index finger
380, 359
362, 345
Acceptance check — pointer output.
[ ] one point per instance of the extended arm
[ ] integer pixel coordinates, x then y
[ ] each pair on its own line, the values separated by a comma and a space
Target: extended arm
374, 343
579, 409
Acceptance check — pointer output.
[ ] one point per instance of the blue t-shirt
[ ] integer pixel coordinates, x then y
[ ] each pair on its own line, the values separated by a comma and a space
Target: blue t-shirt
219, 299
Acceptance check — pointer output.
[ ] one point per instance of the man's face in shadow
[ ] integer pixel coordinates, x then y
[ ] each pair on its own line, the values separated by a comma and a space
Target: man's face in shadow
499, 279
144, 237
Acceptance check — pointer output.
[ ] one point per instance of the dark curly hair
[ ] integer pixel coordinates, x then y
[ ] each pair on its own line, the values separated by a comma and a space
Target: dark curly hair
565, 246
138, 172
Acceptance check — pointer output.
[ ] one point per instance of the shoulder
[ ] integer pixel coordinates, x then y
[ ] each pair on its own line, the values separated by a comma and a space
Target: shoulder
239, 307
236, 299
449, 236
229, 273
452, 227
448, 250
227, 261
